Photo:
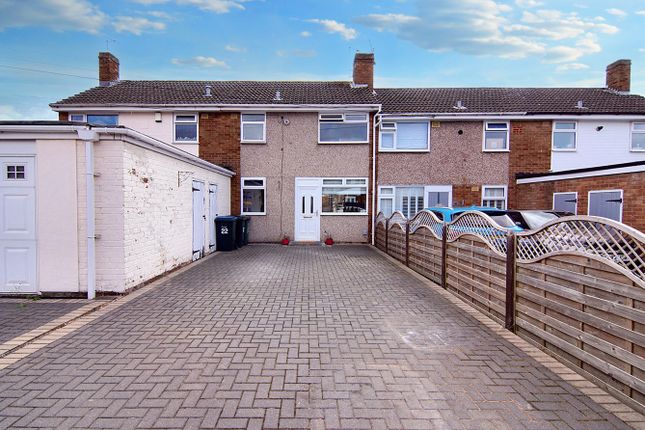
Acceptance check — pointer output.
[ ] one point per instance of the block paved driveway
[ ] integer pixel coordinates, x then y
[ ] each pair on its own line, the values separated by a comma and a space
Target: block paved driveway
290, 337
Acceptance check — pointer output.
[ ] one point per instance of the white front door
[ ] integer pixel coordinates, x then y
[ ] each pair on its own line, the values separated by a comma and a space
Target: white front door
17, 225
212, 214
308, 202
199, 220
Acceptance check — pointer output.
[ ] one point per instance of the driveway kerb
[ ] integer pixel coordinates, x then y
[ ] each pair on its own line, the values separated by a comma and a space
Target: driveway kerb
597, 394
22, 346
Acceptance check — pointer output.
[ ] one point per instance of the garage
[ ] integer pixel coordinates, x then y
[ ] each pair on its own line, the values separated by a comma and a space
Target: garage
90, 211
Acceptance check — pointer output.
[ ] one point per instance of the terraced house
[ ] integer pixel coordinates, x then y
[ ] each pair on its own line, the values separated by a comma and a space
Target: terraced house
322, 158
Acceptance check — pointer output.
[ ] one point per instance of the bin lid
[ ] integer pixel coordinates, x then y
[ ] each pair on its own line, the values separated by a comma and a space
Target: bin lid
226, 218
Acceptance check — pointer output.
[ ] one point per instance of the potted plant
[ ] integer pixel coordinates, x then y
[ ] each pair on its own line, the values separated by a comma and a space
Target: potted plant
328, 239
285, 240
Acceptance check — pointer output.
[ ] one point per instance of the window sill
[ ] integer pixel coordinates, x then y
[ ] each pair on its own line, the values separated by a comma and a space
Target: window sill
253, 213
637, 150
343, 143
344, 214
184, 142
496, 150
254, 142
404, 150
563, 150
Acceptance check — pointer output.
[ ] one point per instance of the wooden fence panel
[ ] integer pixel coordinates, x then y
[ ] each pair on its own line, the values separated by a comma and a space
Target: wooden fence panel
587, 314
396, 246
379, 238
477, 275
425, 254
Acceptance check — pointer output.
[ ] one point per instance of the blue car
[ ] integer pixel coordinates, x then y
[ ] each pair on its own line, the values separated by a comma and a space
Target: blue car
499, 216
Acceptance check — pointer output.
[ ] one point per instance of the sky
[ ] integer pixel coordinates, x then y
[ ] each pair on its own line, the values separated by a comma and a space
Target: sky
49, 48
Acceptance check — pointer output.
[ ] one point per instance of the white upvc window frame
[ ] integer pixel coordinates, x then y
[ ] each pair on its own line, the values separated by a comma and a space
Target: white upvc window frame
392, 196
344, 184
394, 132
631, 135
253, 187
115, 114
341, 116
622, 197
264, 127
437, 189
565, 192
174, 127
575, 136
82, 115
505, 187
382, 195
508, 136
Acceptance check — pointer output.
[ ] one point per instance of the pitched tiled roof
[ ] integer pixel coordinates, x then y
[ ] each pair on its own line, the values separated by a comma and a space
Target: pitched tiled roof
223, 92
493, 100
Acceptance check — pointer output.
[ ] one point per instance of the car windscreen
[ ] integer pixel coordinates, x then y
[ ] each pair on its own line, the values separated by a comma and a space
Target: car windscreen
503, 220
536, 220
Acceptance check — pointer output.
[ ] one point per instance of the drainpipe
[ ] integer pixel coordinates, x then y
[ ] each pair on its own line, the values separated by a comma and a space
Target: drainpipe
377, 115
89, 137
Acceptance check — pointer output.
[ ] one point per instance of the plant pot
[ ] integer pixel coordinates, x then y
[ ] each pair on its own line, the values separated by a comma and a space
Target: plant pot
329, 241
285, 241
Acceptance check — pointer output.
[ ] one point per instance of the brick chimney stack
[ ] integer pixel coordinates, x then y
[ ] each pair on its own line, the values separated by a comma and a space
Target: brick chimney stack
108, 69
619, 75
364, 69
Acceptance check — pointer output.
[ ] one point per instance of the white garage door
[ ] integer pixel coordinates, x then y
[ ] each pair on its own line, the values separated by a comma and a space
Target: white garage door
17, 225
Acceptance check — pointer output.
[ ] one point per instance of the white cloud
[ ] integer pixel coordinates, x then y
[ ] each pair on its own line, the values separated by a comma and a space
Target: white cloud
299, 53
305, 34
159, 14
58, 15
136, 25
233, 48
8, 112
617, 12
571, 66
200, 61
641, 12
641, 49
332, 26
217, 6
491, 28
528, 3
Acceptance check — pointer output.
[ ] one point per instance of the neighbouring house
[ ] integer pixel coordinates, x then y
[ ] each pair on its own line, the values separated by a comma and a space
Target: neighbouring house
301, 151
467, 146
90, 209
313, 158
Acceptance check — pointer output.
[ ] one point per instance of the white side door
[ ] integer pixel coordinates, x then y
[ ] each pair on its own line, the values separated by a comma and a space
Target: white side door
17, 225
199, 220
308, 205
212, 214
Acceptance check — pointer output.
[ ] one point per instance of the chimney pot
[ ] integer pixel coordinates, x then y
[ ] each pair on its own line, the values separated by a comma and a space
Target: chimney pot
619, 75
108, 69
364, 69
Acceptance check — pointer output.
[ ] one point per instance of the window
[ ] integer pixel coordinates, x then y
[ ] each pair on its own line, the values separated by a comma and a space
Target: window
564, 136
103, 119
185, 128
253, 127
638, 136
438, 196
344, 196
496, 136
606, 203
386, 200
407, 200
494, 196
253, 196
16, 171
404, 136
77, 117
343, 128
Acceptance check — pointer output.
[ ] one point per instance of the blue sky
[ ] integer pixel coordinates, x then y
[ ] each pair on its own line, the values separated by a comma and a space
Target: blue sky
416, 43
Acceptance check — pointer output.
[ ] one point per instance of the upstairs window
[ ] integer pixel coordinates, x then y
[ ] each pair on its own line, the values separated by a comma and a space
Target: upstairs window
638, 136
343, 128
494, 196
404, 136
186, 128
253, 127
103, 119
564, 136
77, 117
496, 136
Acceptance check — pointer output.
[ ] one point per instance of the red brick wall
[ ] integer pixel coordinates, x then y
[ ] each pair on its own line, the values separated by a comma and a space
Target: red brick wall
364, 69
108, 67
466, 195
540, 195
219, 143
530, 152
63, 116
619, 75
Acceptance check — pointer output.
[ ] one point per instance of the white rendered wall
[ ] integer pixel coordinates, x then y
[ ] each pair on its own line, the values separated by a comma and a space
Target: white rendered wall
144, 122
158, 221
610, 145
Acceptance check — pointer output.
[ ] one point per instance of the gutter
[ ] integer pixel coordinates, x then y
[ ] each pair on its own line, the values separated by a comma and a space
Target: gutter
210, 107
513, 116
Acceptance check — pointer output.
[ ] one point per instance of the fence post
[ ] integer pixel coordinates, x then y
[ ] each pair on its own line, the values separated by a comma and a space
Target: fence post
444, 254
407, 243
387, 228
509, 320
